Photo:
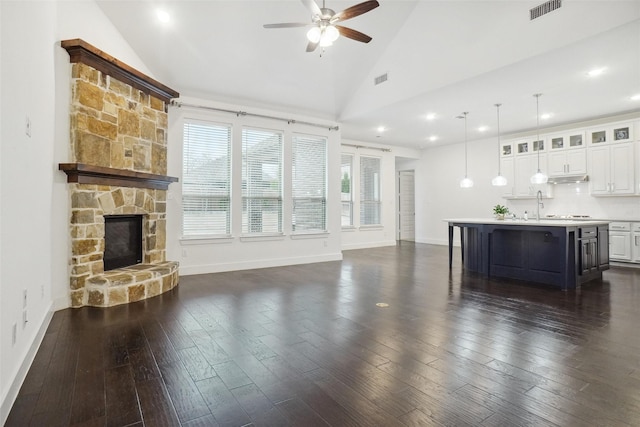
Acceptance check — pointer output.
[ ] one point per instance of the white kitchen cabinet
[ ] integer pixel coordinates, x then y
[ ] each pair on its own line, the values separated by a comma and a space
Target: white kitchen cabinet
507, 168
635, 241
611, 169
620, 241
567, 162
524, 168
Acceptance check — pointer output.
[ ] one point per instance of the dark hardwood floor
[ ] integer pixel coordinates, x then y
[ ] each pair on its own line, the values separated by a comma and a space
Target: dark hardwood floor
308, 346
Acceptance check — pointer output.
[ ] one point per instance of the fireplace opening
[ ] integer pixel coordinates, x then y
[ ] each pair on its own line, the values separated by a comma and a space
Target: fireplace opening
122, 241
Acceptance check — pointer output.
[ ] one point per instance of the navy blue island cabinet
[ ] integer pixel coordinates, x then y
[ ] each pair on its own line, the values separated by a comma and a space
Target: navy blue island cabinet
561, 253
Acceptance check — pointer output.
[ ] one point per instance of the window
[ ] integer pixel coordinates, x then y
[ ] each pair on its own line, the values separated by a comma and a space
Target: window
369, 191
206, 207
309, 181
346, 196
261, 181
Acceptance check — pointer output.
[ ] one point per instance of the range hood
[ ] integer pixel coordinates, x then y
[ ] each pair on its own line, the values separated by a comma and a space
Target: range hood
568, 179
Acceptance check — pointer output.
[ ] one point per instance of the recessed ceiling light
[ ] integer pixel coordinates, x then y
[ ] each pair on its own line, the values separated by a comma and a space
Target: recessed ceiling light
163, 16
596, 72
483, 128
433, 138
636, 97
431, 116
381, 129
546, 116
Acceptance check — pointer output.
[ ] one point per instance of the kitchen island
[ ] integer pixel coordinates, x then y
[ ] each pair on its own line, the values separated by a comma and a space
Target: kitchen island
562, 253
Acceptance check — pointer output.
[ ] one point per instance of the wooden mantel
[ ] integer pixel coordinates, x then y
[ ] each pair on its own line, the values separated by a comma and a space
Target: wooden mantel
88, 174
81, 51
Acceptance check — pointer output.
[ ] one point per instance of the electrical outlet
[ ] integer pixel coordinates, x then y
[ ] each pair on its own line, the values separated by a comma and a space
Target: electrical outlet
24, 319
184, 253
42, 291
27, 127
24, 298
14, 333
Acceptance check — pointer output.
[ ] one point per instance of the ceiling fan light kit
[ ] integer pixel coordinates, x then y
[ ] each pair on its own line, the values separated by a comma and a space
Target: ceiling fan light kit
324, 30
324, 35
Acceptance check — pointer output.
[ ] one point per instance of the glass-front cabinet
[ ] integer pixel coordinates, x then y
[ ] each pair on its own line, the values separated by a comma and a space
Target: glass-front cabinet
610, 134
506, 149
558, 143
523, 147
571, 140
538, 145
577, 140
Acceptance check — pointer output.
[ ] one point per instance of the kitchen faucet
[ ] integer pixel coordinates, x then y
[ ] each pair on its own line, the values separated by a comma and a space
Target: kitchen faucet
539, 203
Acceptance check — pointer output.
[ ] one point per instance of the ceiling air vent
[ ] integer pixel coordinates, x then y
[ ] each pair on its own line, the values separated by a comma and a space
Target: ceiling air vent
544, 8
380, 79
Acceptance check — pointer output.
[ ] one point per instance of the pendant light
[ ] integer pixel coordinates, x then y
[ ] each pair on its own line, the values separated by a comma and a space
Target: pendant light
499, 181
466, 182
538, 177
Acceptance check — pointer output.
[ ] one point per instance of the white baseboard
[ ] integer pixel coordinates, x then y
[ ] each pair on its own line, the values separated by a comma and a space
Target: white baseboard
439, 242
347, 247
250, 265
27, 360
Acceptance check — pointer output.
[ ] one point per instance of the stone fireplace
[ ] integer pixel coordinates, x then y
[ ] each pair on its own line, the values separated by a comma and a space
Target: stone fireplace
119, 149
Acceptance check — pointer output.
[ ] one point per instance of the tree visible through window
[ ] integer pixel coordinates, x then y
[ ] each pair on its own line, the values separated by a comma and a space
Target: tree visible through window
346, 196
261, 181
370, 191
309, 182
206, 160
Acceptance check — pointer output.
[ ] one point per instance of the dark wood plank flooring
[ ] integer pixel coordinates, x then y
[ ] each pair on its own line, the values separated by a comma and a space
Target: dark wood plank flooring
308, 346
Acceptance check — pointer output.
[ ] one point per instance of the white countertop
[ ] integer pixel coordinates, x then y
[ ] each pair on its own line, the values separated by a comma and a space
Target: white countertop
531, 222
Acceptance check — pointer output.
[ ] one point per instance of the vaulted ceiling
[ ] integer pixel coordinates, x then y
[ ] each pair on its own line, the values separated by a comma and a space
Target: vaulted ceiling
440, 57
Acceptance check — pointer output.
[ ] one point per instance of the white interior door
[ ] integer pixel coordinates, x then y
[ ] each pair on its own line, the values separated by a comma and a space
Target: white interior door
406, 206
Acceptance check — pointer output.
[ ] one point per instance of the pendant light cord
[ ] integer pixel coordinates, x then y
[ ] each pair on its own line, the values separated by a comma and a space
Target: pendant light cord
498, 112
538, 95
465, 143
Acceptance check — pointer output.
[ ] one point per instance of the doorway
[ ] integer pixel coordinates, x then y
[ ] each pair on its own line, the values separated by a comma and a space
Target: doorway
406, 206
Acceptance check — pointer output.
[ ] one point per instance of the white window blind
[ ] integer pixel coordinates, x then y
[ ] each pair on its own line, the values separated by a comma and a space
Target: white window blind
346, 195
206, 207
309, 173
369, 191
261, 181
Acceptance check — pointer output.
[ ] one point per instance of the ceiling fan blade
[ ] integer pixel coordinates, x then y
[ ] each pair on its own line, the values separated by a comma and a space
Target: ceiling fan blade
285, 25
353, 34
312, 46
353, 11
313, 7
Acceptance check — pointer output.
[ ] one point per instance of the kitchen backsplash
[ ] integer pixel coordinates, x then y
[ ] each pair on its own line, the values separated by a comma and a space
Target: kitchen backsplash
574, 199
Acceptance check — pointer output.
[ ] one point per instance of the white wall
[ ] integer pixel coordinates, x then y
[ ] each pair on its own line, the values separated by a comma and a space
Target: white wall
237, 252
34, 225
438, 195
357, 237
27, 91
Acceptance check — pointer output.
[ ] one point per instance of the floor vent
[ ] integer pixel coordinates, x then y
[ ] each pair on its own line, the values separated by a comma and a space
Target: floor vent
380, 79
544, 8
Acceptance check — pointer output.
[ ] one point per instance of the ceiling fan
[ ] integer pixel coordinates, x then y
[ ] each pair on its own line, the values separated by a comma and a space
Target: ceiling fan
324, 30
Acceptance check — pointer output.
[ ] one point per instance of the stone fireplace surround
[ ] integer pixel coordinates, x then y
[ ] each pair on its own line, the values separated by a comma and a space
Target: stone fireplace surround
118, 132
